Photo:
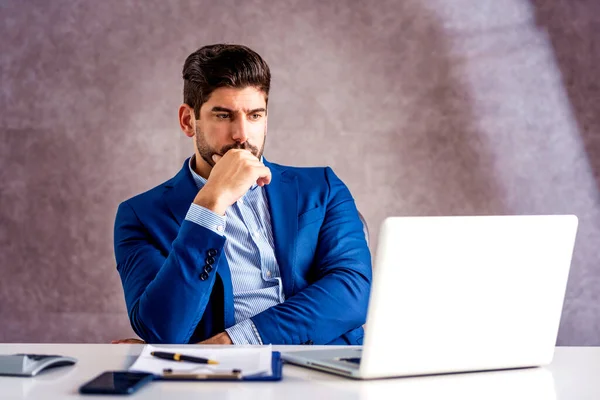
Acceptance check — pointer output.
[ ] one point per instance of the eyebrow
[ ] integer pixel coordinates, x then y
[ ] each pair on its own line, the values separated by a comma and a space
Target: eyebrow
223, 109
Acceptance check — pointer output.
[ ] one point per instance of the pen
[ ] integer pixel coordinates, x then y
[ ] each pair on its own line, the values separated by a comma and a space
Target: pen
170, 374
182, 357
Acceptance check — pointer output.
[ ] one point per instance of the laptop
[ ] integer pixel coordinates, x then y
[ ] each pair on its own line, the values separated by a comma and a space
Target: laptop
459, 294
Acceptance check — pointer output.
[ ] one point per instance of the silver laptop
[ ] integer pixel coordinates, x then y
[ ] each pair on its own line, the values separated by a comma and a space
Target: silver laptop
458, 294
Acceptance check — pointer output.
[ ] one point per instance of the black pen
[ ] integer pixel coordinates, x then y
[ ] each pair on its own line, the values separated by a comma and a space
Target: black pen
182, 357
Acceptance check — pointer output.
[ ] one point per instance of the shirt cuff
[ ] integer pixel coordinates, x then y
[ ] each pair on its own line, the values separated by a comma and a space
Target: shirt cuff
206, 218
244, 333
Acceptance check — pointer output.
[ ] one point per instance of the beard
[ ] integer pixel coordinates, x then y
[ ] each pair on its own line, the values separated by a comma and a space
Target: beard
206, 151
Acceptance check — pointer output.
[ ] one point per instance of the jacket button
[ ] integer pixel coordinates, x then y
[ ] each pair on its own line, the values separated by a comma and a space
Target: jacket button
212, 252
203, 276
209, 260
207, 268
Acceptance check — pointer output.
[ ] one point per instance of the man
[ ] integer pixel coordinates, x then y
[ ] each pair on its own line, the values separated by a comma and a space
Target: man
235, 249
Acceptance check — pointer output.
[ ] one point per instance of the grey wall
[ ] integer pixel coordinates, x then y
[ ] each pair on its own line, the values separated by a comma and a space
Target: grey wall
423, 107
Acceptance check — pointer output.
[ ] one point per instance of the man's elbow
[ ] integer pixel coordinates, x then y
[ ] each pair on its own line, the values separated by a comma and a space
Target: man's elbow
359, 288
152, 332
363, 303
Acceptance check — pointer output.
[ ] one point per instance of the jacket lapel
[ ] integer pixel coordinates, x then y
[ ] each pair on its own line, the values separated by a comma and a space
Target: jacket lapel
282, 195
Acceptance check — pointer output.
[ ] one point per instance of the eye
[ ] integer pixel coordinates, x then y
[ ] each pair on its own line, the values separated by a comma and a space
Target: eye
256, 116
222, 116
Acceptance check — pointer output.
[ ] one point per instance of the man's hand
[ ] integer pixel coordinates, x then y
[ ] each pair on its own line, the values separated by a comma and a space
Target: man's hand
230, 178
128, 341
221, 338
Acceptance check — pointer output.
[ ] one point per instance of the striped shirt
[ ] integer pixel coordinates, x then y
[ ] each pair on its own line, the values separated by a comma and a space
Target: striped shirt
249, 249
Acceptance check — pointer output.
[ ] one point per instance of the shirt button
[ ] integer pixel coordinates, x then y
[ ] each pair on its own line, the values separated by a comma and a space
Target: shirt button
241, 201
220, 228
268, 274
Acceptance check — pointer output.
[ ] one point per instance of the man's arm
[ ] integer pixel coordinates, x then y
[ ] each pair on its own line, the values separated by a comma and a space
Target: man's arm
337, 302
164, 294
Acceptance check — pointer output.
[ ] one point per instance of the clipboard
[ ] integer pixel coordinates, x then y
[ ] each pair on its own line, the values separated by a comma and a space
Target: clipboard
233, 376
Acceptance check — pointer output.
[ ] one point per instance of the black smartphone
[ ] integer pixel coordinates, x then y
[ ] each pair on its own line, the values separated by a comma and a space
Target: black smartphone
116, 382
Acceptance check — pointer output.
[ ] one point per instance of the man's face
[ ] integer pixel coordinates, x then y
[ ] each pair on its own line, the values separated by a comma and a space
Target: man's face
232, 119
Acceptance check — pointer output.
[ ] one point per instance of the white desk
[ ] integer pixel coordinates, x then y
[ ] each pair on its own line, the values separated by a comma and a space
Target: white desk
574, 374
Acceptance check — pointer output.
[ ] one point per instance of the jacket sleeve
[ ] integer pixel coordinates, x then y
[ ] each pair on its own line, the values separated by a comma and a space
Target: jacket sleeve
336, 302
166, 294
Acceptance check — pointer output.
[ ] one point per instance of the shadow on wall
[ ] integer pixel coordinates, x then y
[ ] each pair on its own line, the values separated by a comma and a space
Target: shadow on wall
437, 160
574, 30
441, 148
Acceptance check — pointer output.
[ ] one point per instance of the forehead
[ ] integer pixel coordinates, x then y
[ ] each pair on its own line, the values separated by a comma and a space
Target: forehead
236, 99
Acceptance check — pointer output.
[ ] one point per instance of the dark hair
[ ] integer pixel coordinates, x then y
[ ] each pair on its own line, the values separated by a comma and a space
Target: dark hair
222, 65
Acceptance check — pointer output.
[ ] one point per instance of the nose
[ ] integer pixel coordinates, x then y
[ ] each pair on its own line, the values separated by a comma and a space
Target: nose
239, 130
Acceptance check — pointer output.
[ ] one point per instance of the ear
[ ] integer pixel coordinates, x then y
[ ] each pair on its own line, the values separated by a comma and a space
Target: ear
187, 120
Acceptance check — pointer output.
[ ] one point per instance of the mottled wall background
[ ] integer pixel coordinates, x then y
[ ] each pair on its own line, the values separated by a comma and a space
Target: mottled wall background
423, 107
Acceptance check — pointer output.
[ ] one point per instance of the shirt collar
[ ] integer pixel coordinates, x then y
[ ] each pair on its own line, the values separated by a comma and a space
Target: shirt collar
200, 181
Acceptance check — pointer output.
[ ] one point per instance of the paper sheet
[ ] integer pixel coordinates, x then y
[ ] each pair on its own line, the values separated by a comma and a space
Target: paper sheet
255, 361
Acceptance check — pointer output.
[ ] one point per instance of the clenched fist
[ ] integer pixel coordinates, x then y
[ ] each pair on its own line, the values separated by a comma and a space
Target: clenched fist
231, 177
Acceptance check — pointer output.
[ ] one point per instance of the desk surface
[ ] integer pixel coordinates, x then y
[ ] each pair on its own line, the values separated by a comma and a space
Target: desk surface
574, 374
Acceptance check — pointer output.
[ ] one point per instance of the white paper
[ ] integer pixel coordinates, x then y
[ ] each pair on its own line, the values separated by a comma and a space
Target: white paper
255, 361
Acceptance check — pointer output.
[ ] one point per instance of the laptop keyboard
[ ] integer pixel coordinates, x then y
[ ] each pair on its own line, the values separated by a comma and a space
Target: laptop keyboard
36, 357
354, 360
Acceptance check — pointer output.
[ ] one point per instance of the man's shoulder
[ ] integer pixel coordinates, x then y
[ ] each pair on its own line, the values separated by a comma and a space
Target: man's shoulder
309, 174
315, 181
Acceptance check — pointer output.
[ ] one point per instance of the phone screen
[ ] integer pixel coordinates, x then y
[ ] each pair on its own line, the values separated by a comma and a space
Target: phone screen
116, 382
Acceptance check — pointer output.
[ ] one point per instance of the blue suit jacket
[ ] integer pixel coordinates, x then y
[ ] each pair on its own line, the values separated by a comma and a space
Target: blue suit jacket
323, 257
